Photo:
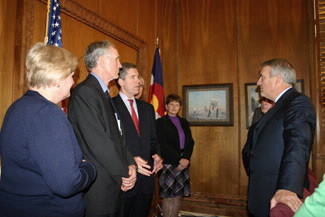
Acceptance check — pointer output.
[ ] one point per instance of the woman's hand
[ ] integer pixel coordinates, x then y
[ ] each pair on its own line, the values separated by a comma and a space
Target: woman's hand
184, 162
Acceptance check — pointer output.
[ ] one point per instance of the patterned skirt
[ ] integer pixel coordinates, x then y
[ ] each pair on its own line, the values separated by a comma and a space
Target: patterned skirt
173, 182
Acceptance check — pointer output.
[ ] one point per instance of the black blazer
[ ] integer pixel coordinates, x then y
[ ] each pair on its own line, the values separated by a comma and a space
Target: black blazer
247, 148
169, 140
93, 119
144, 146
280, 149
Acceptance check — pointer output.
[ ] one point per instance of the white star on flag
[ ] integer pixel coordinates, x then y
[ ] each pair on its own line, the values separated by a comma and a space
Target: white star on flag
55, 24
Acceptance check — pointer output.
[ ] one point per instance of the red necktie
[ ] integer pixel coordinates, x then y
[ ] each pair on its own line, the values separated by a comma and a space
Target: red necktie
134, 117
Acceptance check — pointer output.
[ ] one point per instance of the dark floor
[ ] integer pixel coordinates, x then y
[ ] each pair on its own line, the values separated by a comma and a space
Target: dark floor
189, 214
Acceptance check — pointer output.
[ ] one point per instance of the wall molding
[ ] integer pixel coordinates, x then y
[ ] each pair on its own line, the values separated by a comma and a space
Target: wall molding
104, 26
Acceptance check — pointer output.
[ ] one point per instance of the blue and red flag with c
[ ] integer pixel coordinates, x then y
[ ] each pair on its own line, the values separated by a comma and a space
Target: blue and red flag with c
156, 91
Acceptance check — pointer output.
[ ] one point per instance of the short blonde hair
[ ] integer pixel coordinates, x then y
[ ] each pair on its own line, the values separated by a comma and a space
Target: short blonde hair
47, 64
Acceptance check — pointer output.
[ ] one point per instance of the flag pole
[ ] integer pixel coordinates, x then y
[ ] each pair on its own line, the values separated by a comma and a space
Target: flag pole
46, 38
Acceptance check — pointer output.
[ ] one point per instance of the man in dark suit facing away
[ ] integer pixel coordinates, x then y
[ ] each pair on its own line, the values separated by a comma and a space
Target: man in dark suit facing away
100, 133
281, 142
138, 118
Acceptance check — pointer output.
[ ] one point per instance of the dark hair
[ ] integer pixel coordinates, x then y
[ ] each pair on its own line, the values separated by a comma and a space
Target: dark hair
173, 98
125, 68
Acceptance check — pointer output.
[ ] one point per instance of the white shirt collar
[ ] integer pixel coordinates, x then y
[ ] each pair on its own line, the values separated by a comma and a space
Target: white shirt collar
278, 97
127, 103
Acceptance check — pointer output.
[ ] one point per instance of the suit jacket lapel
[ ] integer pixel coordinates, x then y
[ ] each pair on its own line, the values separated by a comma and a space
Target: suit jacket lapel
109, 105
268, 116
125, 113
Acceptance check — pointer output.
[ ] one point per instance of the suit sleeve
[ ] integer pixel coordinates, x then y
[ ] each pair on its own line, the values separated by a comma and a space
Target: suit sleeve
86, 111
155, 146
52, 147
299, 129
247, 148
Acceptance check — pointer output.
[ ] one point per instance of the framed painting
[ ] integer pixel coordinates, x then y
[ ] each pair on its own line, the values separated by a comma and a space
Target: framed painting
252, 101
300, 86
210, 104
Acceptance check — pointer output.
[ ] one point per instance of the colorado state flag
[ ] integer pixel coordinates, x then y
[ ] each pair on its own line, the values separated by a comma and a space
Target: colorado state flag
156, 91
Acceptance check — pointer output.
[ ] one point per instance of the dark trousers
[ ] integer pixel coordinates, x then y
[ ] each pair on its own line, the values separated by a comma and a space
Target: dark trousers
119, 212
138, 206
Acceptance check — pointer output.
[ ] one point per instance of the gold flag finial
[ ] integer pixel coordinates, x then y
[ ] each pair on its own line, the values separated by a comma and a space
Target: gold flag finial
157, 42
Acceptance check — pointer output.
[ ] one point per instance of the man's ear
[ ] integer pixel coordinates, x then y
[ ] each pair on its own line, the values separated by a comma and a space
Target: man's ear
279, 79
101, 60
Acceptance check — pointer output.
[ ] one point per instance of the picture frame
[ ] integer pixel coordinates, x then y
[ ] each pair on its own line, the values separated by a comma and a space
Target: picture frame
300, 86
208, 104
253, 98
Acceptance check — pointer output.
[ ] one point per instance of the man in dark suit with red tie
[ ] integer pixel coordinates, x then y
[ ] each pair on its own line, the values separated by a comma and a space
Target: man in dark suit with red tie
281, 142
100, 133
138, 119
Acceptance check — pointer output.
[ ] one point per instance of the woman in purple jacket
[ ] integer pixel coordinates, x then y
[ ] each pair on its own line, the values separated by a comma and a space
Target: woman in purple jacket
43, 173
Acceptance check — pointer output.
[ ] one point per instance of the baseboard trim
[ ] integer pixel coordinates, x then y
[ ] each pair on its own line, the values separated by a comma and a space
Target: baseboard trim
216, 204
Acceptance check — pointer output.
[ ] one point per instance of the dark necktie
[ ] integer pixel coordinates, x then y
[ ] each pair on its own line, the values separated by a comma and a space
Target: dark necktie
134, 116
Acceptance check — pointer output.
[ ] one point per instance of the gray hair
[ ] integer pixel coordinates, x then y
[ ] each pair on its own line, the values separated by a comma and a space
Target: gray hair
96, 50
125, 68
282, 67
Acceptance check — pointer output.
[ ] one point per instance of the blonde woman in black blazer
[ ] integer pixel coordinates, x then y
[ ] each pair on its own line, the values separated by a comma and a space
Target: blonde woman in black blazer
176, 144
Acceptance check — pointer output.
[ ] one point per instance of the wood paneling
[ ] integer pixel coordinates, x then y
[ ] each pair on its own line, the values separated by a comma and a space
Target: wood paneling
208, 54
8, 11
169, 45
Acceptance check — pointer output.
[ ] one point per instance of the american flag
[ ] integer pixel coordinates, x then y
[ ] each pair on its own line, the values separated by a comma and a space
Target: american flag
55, 24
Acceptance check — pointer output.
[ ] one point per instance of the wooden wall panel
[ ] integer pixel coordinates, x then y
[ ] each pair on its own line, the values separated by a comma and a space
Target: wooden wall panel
148, 29
122, 13
8, 9
169, 45
208, 55
92, 5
